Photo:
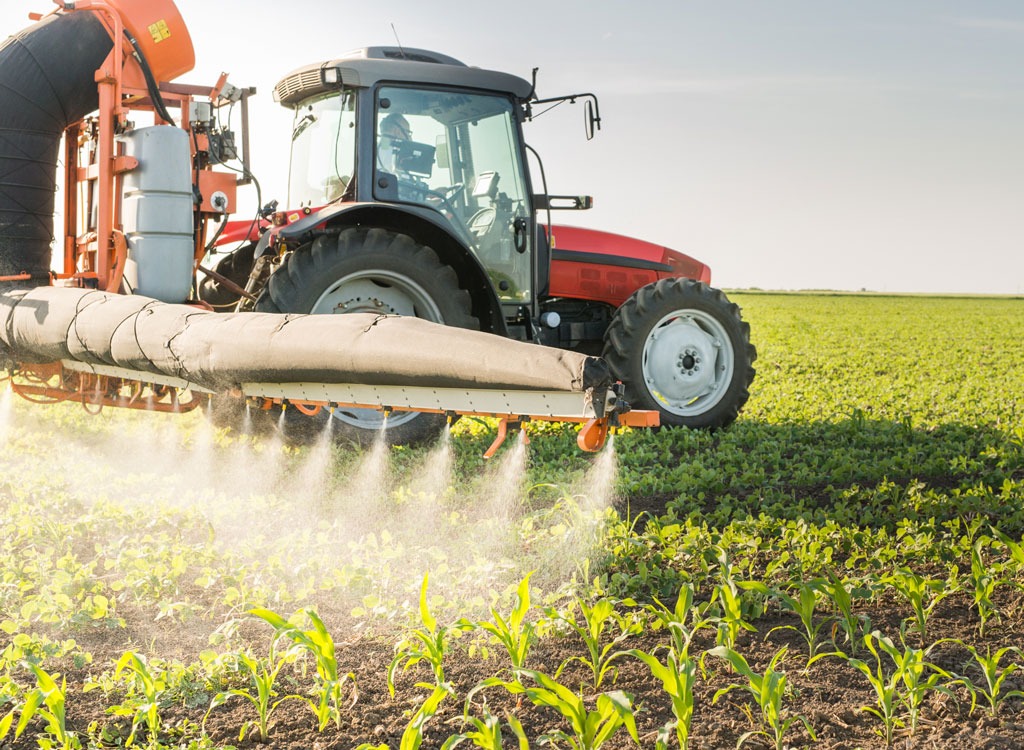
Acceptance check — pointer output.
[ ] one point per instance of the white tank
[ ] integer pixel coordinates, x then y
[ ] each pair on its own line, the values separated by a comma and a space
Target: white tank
156, 213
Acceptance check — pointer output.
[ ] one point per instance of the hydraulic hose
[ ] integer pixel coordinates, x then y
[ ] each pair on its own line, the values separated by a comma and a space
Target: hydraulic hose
151, 85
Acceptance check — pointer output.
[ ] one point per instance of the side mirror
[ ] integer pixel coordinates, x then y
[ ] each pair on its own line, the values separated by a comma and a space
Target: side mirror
591, 118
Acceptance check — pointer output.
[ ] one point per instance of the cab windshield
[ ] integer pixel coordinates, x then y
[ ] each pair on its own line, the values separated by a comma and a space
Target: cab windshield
457, 153
323, 150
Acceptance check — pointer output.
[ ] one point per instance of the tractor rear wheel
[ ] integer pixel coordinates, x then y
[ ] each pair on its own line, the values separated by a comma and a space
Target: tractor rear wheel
361, 270
679, 346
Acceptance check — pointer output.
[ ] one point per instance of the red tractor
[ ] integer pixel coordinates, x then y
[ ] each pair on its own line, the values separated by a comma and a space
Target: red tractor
410, 194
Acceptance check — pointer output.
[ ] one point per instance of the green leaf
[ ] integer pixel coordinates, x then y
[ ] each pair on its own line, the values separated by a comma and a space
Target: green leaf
425, 617
28, 710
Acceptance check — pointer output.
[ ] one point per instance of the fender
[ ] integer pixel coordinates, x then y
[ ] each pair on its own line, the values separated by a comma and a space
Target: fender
426, 227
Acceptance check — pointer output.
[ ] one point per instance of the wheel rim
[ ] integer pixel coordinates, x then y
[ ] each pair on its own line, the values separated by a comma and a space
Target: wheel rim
385, 293
688, 362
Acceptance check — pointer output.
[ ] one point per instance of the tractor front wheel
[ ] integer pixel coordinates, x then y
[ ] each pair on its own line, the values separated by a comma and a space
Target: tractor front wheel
373, 270
681, 347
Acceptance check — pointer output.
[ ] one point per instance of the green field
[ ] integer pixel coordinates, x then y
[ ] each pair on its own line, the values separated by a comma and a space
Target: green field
880, 459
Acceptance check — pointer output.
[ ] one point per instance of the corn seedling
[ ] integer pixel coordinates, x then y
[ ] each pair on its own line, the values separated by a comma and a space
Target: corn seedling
993, 674
263, 674
47, 702
150, 686
412, 737
678, 675
683, 620
1016, 552
516, 634
923, 594
852, 625
326, 703
487, 734
728, 599
886, 689
907, 685
803, 605
919, 677
428, 643
731, 619
983, 584
768, 691
590, 729
596, 619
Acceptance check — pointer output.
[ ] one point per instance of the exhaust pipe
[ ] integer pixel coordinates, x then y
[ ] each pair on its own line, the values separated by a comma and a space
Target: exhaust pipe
47, 82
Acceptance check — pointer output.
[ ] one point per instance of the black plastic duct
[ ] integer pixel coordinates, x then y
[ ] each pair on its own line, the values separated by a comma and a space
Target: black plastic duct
47, 82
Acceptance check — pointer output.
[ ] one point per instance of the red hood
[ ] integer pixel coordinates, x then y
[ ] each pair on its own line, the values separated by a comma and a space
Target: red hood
576, 239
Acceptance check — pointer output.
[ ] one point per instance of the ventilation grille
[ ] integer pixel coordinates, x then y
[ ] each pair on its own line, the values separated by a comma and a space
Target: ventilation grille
297, 86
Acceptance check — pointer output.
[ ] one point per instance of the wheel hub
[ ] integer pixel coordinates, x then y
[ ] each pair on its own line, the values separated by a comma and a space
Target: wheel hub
689, 361
380, 295
686, 361
360, 305
380, 292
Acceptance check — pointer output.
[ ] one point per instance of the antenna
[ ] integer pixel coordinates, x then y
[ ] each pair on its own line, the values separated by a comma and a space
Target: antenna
399, 41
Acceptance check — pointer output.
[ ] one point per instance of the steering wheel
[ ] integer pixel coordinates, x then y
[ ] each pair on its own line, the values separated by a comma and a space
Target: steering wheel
450, 192
482, 221
441, 199
441, 196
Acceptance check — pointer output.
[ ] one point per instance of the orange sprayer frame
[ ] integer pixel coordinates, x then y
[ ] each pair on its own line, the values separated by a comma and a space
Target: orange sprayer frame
95, 255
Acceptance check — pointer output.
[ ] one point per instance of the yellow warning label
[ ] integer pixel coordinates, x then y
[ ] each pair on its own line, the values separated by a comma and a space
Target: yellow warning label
159, 31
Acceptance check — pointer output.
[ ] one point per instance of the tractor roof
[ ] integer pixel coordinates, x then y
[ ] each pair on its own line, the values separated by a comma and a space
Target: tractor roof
371, 65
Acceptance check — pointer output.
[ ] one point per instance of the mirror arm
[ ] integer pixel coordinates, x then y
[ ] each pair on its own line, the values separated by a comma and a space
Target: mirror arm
592, 113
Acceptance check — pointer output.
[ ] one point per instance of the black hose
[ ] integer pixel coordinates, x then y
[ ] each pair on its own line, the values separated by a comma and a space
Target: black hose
47, 82
151, 85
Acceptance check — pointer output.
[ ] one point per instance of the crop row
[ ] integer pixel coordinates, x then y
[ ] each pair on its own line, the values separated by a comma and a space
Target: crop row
857, 530
301, 665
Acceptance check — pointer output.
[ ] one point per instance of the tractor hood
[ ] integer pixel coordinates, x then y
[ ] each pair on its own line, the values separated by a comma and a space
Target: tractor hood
575, 243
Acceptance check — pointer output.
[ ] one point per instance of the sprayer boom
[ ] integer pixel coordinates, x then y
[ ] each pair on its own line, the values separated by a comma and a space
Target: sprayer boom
96, 386
105, 349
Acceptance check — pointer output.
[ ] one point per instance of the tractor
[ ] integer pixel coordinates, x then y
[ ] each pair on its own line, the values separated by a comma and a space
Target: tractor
410, 194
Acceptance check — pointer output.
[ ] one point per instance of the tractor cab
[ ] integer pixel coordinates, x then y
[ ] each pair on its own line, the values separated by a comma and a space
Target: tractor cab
428, 136
409, 195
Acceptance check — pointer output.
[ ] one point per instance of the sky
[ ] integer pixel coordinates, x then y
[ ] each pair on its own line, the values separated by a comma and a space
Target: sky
788, 144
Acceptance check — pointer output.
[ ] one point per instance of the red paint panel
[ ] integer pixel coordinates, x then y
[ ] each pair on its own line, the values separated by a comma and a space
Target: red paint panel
606, 243
600, 283
610, 283
239, 231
